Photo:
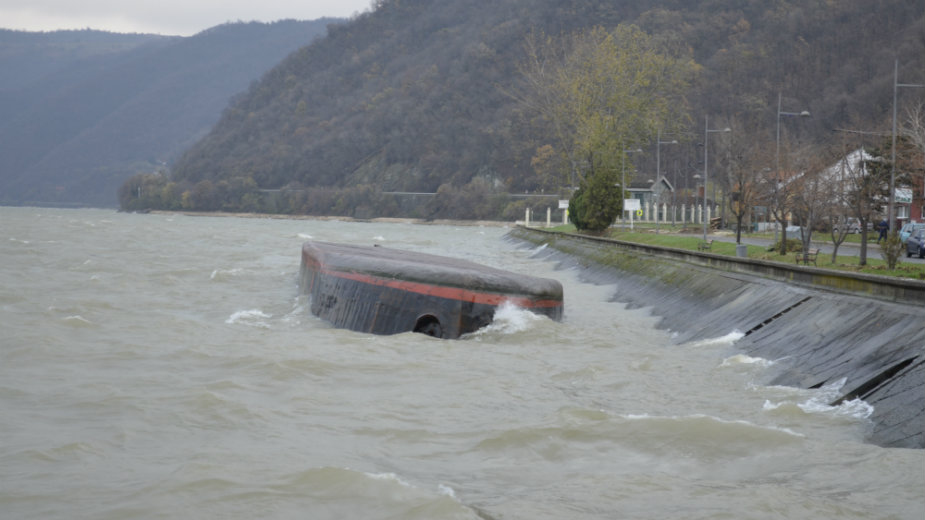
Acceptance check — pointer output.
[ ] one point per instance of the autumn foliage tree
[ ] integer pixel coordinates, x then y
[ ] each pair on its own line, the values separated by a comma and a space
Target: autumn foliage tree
600, 92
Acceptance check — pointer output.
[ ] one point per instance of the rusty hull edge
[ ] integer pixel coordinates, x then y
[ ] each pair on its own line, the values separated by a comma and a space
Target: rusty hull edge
425, 268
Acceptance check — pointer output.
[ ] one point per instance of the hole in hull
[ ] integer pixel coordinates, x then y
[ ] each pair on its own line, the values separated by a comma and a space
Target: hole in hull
429, 324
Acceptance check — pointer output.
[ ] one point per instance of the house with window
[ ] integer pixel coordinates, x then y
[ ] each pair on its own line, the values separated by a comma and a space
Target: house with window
907, 200
648, 192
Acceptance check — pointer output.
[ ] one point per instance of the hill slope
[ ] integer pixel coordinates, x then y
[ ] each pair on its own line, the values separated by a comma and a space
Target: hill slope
83, 110
410, 97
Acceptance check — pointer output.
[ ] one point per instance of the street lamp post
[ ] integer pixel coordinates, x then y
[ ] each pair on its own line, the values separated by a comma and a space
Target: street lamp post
804, 113
623, 182
896, 85
706, 133
658, 171
697, 187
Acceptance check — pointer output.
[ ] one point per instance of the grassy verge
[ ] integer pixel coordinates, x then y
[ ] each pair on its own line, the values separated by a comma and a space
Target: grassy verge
668, 237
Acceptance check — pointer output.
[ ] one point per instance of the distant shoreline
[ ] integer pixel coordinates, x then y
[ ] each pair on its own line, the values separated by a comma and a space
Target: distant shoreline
387, 220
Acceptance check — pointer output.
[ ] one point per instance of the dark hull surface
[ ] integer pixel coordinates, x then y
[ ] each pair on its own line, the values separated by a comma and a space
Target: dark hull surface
389, 291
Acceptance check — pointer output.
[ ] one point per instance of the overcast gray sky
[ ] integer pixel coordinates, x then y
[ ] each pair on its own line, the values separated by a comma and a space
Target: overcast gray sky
172, 17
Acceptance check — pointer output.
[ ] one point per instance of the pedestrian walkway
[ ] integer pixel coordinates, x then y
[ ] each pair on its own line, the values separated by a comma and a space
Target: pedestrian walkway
825, 246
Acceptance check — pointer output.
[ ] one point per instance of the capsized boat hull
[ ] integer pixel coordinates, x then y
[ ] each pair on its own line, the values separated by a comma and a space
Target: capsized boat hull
388, 291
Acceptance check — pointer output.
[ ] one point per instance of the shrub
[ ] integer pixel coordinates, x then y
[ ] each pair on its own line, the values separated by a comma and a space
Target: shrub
793, 244
596, 203
892, 249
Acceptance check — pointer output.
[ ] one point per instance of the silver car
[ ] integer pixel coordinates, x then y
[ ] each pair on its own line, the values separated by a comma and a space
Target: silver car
908, 228
853, 225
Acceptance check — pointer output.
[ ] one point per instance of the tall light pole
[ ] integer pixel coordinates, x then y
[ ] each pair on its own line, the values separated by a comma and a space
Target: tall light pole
804, 113
658, 170
896, 85
623, 181
706, 133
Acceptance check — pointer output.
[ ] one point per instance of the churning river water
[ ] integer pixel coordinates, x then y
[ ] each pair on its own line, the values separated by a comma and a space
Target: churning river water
165, 366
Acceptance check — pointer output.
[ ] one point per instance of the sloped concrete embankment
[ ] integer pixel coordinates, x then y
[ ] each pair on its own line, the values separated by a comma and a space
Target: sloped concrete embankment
818, 329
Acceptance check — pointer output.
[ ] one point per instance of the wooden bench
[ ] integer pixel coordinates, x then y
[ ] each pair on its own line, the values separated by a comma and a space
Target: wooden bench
705, 246
806, 257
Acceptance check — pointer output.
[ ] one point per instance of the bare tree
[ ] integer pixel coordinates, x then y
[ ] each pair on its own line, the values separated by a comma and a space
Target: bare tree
742, 157
839, 207
812, 196
777, 193
914, 130
867, 182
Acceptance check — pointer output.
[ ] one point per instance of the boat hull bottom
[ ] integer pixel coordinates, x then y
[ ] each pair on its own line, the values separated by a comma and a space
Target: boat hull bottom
383, 310
382, 291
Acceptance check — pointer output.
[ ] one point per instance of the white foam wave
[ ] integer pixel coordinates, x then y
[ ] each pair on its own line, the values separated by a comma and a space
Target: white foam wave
728, 339
742, 359
857, 408
251, 317
304, 236
298, 311
708, 425
510, 319
443, 489
392, 477
221, 274
77, 320
538, 250
379, 238
819, 403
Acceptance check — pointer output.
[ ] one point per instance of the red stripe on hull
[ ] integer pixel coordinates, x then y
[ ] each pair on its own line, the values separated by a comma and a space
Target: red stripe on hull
451, 293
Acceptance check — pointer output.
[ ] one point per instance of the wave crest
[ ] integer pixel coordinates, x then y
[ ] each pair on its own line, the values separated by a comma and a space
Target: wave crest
819, 401
251, 317
510, 319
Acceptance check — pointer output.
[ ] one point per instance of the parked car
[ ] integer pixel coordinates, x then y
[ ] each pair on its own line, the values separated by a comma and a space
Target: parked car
915, 244
908, 228
854, 226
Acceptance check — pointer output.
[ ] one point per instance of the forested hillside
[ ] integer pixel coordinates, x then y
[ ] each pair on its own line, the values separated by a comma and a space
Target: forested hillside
81, 111
416, 95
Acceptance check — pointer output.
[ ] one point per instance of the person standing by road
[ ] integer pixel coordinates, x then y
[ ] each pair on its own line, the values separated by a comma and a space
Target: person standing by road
883, 227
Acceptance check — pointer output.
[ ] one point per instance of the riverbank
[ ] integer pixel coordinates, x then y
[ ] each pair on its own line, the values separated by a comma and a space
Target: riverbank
817, 335
388, 220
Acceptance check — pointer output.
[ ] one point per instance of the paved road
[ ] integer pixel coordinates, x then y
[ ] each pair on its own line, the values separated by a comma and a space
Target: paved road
847, 249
